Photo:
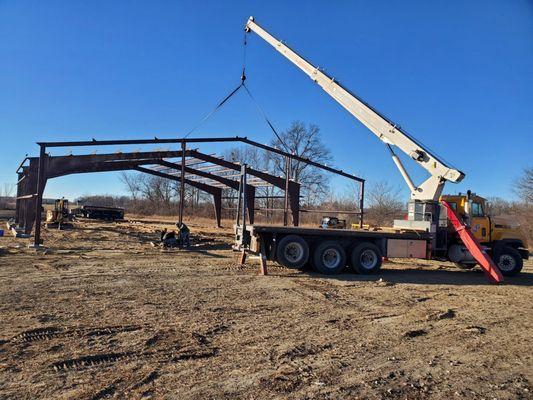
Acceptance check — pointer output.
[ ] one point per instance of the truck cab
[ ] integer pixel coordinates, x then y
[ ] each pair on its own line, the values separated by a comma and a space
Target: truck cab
502, 236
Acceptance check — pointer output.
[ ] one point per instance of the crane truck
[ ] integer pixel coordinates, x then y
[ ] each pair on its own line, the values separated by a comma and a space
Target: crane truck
425, 233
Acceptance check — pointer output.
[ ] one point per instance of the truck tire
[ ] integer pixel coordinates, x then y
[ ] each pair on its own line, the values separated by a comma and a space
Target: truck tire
329, 258
292, 251
366, 258
509, 261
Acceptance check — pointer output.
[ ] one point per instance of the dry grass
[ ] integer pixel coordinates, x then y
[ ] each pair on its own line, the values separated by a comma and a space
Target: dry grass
104, 314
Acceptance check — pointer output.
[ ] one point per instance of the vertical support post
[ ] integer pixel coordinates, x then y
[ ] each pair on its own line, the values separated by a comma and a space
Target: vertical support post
182, 182
361, 203
286, 204
267, 214
39, 199
262, 258
294, 202
239, 202
18, 207
250, 203
244, 197
242, 192
217, 201
242, 257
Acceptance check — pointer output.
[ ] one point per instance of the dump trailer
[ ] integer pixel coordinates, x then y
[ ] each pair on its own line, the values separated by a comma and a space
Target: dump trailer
99, 212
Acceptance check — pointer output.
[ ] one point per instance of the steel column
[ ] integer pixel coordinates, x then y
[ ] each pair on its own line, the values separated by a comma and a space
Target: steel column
287, 180
361, 203
239, 202
41, 177
244, 197
182, 184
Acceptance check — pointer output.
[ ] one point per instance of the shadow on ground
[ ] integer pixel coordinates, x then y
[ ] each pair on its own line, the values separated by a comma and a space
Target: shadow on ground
431, 277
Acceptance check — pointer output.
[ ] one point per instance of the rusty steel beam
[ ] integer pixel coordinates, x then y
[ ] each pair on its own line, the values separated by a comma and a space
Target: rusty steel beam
79, 161
108, 166
224, 181
201, 140
41, 183
274, 180
136, 141
182, 182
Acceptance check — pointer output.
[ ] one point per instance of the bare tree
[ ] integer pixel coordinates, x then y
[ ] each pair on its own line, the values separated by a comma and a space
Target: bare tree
497, 206
132, 181
523, 187
304, 141
151, 194
9, 189
384, 203
258, 159
160, 191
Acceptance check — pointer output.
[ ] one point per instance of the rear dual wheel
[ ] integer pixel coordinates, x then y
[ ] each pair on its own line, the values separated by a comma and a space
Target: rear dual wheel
292, 251
366, 258
329, 258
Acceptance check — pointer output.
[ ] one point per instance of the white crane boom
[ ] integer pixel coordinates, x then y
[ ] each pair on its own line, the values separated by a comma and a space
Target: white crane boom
385, 130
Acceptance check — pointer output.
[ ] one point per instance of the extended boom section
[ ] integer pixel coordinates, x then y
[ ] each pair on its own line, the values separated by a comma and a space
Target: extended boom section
385, 130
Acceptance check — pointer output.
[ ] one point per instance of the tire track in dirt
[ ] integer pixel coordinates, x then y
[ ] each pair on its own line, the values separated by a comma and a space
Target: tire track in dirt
49, 333
106, 359
197, 346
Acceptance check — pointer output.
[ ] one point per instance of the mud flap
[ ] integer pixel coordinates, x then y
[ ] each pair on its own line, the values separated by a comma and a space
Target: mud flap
492, 272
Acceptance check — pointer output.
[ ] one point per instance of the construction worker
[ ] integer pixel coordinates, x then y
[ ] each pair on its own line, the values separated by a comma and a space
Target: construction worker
184, 234
168, 238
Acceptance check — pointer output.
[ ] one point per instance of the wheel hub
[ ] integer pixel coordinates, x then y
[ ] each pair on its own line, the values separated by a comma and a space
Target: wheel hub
293, 252
331, 258
506, 263
368, 259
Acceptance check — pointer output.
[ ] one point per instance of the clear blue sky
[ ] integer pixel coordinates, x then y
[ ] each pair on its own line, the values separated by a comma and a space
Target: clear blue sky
457, 75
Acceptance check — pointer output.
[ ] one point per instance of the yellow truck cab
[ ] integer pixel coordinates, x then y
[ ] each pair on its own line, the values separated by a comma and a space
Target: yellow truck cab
502, 237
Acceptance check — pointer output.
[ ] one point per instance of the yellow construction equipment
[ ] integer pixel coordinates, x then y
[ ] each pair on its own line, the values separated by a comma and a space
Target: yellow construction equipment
59, 216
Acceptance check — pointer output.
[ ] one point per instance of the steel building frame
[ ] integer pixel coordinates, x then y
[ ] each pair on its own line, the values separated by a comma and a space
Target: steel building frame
32, 178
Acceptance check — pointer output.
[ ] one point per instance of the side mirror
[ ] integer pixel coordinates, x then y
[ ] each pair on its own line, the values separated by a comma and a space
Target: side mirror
468, 207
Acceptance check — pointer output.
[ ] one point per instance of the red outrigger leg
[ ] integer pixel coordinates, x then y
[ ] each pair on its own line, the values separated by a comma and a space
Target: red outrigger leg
491, 270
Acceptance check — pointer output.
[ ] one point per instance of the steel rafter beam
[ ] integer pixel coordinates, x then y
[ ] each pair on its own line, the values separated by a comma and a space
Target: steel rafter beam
221, 180
201, 140
214, 191
274, 180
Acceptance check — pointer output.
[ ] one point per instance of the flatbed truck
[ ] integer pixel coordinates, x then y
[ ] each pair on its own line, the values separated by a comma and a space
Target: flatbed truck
435, 227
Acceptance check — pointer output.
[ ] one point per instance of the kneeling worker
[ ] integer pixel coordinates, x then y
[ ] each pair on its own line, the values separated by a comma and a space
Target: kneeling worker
184, 234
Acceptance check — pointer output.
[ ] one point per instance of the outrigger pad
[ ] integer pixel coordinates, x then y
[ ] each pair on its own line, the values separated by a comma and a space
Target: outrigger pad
491, 270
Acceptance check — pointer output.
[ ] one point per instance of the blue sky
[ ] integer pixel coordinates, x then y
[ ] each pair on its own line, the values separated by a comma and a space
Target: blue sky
456, 75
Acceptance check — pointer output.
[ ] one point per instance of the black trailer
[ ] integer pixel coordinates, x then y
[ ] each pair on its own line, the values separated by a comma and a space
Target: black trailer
329, 251
99, 212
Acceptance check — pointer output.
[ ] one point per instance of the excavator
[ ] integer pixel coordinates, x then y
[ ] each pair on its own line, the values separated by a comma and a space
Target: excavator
473, 236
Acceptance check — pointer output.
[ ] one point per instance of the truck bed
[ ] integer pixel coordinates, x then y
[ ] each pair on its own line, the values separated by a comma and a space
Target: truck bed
359, 233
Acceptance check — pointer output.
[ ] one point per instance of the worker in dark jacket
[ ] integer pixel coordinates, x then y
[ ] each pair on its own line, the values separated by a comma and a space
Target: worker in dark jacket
184, 235
168, 238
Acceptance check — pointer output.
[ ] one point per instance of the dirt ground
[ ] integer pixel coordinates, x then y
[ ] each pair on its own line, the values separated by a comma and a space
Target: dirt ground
103, 314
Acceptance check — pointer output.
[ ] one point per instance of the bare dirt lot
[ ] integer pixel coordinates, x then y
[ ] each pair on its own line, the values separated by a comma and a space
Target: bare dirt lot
103, 314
